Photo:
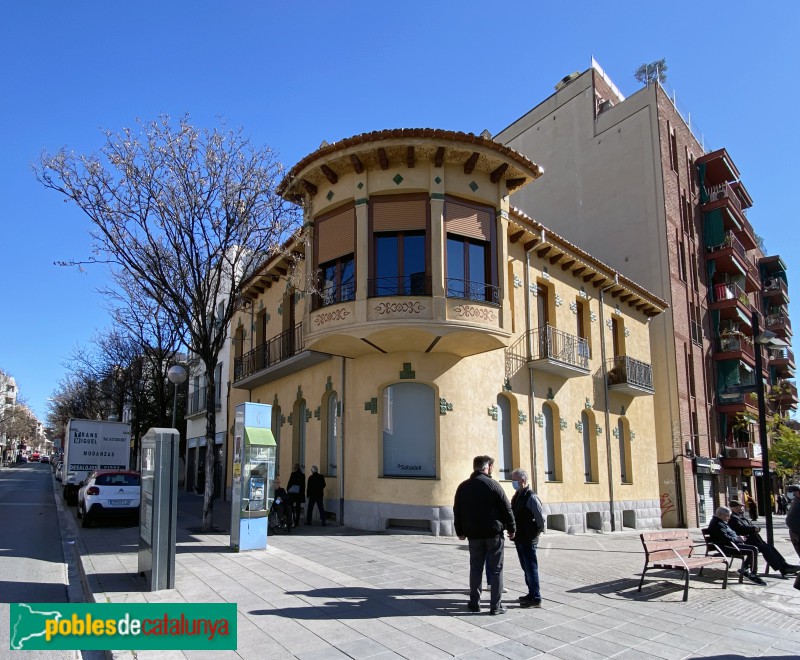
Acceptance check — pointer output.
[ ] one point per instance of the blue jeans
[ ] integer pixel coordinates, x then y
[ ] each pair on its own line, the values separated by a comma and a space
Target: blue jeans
482, 552
530, 566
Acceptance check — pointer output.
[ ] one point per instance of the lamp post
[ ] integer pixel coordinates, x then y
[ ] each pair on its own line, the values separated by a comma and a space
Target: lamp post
177, 375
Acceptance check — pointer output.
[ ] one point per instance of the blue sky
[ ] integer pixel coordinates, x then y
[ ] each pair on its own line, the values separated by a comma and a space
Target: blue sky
295, 74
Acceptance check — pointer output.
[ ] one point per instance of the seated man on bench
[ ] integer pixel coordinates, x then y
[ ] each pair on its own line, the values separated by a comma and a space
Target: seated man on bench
732, 544
281, 507
750, 532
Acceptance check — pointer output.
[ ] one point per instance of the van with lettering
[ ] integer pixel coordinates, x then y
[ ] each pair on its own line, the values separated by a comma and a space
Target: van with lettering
91, 445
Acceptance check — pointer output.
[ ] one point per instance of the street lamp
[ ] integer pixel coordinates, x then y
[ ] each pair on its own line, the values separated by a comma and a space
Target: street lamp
177, 375
766, 338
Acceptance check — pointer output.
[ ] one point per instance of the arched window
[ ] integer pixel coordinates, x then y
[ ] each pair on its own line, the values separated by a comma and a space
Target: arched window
505, 458
331, 435
409, 430
625, 467
276, 433
299, 433
552, 453
589, 448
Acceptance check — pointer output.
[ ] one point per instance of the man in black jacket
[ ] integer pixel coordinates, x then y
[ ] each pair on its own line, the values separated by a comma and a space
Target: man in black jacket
481, 512
528, 515
750, 531
315, 492
731, 543
297, 492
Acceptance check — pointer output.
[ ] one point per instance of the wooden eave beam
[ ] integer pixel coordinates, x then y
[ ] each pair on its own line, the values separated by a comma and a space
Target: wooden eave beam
410, 157
469, 166
530, 244
282, 270
438, 159
330, 175
383, 159
626, 297
541, 253
358, 166
579, 270
554, 260
590, 276
498, 173
516, 236
641, 306
514, 183
599, 281
616, 293
567, 264
275, 278
311, 189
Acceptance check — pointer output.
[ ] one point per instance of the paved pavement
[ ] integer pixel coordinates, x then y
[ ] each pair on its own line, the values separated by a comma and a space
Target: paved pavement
335, 592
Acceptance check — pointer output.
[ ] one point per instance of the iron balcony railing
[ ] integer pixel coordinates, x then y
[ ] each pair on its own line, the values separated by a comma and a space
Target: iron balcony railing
416, 284
730, 291
196, 402
551, 343
781, 354
735, 343
270, 353
335, 293
479, 291
623, 369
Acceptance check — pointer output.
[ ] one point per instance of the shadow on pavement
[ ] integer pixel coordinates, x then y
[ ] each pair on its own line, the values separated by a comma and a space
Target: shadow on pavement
652, 589
35, 592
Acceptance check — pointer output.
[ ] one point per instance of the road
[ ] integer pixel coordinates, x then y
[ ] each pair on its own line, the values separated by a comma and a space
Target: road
32, 561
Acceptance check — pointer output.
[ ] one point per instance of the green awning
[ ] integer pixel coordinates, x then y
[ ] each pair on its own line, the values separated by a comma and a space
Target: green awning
257, 436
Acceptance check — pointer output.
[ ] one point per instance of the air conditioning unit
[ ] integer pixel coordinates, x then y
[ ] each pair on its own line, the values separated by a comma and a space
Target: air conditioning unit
721, 193
736, 452
605, 105
770, 283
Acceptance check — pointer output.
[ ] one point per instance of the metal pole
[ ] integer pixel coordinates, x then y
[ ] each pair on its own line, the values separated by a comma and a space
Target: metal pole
762, 431
175, 405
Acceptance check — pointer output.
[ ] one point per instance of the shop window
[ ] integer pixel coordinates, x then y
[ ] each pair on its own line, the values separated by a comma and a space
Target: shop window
505, 457
409, 430
471, 269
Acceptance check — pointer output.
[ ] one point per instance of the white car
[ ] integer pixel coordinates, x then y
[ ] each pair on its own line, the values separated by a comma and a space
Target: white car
109, 494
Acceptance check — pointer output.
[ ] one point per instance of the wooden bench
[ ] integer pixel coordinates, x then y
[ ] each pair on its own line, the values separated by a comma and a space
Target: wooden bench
672, 549
713, 550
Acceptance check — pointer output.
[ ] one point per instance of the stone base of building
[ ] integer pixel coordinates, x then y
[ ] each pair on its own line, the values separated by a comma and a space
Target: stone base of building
569, 517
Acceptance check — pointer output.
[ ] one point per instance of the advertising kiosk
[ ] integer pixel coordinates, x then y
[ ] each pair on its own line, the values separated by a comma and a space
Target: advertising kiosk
253, 473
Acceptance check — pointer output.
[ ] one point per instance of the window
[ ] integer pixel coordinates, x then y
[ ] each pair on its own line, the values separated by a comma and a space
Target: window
589, 448
470, 258
681, 260
624, 437
400, 261
331, 434
334, 250
582, 328
618, 336
505, 456
552, 453
695, 323
689, 370
673, 147
299, 433
409, 430
695, 278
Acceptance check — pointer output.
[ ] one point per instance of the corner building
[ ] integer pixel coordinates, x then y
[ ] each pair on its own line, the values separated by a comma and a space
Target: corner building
445, 324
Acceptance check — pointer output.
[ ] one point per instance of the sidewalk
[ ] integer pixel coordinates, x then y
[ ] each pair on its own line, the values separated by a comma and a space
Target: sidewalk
334, 592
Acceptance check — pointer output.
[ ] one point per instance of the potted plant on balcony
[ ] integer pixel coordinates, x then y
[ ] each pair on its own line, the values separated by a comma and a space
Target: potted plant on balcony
616, 375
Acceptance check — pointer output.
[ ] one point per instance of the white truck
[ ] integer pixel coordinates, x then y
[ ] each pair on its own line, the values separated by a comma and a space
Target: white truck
92, 445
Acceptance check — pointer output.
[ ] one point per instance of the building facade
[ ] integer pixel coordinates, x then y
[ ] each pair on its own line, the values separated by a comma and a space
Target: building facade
627, 177
447, 324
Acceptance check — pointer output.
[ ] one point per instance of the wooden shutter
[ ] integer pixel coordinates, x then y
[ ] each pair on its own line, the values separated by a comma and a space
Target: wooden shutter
467, 221
399, 215
336, 236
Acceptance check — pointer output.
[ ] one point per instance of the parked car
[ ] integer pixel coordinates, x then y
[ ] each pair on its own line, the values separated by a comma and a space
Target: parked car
59, 467
109, 495
21, 458
35, 457
44, 459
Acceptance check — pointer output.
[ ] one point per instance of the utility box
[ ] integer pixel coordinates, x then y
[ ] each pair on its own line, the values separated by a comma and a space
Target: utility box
158, 515
253, 473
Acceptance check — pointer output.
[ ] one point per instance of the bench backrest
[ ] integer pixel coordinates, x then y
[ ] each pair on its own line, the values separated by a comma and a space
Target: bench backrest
663, 544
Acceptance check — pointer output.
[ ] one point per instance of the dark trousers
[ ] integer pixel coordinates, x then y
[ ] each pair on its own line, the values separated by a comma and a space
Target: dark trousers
311, 502
750, 554
526, 552
295, 504
771, 555
482, 553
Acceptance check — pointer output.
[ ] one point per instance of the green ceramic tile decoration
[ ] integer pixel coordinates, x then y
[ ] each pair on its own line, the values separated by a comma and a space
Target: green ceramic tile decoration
308, 415
299, 392
492, 411
522, 417
579, 426
563, 424
438, 180
318, 412
360, 185
291, 422
445, 406
473, 186
329, 384
407, 373
397, 179
598, 429
437, 196
329, 196
588, 404
361, 201
539, 419
372, 406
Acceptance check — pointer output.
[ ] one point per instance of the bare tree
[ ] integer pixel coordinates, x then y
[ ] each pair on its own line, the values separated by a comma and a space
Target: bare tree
649, 72
185, 213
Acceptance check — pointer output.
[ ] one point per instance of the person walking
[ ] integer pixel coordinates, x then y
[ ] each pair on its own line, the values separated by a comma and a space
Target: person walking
316, 491
793, 521
481, 513
297, 492
527, 509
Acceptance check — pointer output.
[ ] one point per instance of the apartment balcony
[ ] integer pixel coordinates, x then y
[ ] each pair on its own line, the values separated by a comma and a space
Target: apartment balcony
559, 353
735, 346
781, 362
784, 395
629, 376
281, 356
726, 198
731, 258
775, 291
744, 455
732, 303
779, 323
196, 402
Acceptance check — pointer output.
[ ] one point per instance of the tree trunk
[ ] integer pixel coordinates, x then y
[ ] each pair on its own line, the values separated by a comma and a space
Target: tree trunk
211, 449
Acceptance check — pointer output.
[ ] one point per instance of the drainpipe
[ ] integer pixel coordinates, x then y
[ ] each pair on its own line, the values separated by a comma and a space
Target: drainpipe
341, 445
529, 357
604, 370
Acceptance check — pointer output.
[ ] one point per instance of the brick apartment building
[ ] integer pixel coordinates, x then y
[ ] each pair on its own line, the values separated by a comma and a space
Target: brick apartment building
626, 179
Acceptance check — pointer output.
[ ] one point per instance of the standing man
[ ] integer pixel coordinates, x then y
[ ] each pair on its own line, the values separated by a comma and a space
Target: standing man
297, 492
315, 490
528, 515
481, 512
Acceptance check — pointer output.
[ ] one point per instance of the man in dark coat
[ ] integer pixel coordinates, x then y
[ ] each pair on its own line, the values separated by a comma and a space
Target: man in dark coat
731, 543
316, 491
297, 491
529, 517
481, 513
750, 531
793, 521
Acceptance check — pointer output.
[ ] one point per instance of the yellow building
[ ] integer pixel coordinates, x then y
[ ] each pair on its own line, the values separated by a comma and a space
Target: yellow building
438, 310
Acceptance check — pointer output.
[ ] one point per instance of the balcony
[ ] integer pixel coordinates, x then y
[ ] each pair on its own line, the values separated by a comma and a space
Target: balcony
775, 291
559, 353
735, 346
724, 198
196, 402
742, 455
784, 395
466, 290
335, 293
779, 323
280, 356
732, 303
781, 362
731, 257
629, 376
416, 284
